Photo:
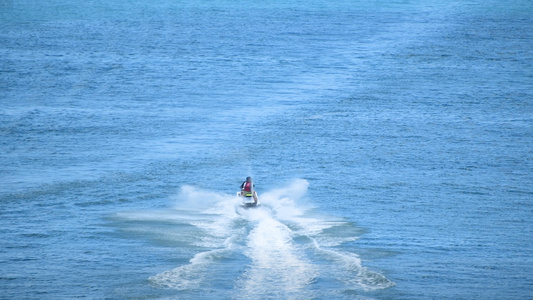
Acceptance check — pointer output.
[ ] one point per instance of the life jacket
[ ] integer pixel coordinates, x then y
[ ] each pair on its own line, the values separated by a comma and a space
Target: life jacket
247, 188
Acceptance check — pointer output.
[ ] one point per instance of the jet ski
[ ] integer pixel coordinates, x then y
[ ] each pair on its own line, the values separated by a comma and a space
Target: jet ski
249, 200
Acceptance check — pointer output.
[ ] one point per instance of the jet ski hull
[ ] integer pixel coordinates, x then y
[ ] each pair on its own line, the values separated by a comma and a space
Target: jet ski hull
248, 202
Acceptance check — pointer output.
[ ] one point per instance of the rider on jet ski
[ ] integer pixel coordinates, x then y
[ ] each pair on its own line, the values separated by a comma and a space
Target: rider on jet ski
247, 189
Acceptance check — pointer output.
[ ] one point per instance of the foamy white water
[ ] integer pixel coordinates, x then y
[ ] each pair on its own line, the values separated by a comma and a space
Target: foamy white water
278, 246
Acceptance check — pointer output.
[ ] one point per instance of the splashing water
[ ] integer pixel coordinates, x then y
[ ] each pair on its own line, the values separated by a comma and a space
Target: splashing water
278, 250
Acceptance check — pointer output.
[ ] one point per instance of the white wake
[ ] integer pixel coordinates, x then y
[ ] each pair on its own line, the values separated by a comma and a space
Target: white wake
278, 251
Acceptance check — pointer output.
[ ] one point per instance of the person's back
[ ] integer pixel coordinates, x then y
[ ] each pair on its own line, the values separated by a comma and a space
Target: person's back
247, 189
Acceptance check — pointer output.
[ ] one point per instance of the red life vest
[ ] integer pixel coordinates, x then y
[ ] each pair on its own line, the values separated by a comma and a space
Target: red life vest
247, 187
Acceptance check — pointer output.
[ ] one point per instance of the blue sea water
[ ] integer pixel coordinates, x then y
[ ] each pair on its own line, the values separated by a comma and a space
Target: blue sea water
390, 143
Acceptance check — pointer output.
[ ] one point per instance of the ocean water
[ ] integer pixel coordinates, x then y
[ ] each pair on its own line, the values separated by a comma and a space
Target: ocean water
390, 143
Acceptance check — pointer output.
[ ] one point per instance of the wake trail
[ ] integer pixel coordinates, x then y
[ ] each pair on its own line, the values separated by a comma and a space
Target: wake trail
278, 268
278, 250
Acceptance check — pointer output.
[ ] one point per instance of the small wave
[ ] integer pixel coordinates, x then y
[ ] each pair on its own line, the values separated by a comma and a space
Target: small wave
348, 268
189, 276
